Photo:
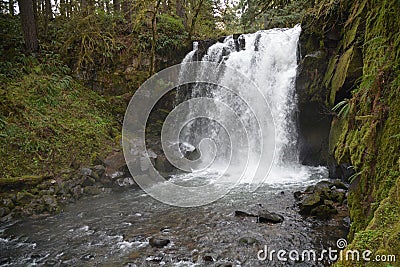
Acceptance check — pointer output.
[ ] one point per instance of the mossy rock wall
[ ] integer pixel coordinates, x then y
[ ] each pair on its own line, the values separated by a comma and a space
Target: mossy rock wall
362, 77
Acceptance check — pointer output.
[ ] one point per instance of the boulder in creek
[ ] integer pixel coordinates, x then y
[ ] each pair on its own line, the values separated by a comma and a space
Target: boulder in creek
320, 200
240, 213
86, 172
77, 192
114, 163
4, 211
262, 215
87, 181
247, 240
92, 190
50, 203
309, 202
158, 242
265, 216
163, 165
98, 171
208, 258
8, 203
24, 197
125, 182
323, 212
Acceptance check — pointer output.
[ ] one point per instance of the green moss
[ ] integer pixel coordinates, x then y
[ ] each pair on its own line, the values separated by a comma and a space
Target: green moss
370, 139
329, 72
382, 235
350, 35
340, 74
48, 119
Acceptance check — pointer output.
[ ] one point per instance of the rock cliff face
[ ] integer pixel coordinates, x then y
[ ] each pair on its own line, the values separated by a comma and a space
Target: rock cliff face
328, 72
350, 76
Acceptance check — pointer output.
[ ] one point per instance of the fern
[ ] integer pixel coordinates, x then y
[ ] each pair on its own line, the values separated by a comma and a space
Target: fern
355, 175
342, 108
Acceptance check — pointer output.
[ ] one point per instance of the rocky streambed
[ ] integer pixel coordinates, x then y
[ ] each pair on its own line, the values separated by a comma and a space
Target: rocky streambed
129, 228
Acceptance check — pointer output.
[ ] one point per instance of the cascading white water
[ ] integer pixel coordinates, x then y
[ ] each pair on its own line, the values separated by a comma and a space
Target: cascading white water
269, 58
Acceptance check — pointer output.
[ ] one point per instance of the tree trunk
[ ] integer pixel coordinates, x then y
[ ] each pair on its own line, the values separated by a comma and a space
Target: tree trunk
11, 7
69, 8
116, 6
194, 19
62, 7
28, 25
180, 9
48, 16
107, 6
154, 39
126, 9
84, 7
35, 8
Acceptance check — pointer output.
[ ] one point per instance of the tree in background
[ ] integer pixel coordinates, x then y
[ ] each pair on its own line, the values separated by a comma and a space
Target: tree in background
91, 34
28, 25
258, 14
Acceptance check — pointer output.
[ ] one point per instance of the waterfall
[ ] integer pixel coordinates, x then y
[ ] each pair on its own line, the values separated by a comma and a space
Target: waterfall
233, 122
269, 59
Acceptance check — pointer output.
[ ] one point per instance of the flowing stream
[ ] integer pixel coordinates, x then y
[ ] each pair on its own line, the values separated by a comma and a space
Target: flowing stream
114, 229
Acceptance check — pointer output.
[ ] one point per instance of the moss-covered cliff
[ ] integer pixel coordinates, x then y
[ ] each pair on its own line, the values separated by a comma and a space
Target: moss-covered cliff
361, 80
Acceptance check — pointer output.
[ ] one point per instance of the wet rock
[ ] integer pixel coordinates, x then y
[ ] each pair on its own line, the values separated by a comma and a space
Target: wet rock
158, 242
106, 190
24, 197
87, 181
223, 264
49, 200
310, 189
4, 211
263, 215
309, 202
50, 203
125, 182
163, 165
323, 212
115, 162
329, 203
240, 213
65, 187
346, 222
86, 172
91, 190
298, 195
266, 216
338, 196
323, 188
8, 203
208, 258
322, 199
193, 155
248, 240
99, 170
77, 192
340, 185
87, 257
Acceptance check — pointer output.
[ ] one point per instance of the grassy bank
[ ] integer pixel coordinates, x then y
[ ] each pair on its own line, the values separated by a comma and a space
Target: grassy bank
48, 120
